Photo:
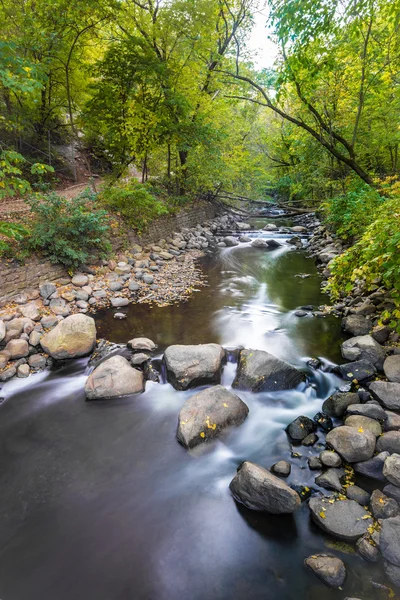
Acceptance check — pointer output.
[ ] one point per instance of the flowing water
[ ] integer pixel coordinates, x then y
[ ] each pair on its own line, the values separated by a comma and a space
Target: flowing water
100, 502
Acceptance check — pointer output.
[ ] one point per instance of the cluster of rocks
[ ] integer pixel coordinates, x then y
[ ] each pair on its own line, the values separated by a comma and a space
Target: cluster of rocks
362, 307
229, 241
161, 273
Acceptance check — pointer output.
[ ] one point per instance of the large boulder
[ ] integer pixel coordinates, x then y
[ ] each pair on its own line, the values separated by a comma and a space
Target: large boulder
389, 442
113, 378
356, 325
372, 468
190, 366
364, 347
337, 404
207, 413
260, 371
258, 489
389, 540
352, 445
373, 411
391, 367
343, 519
362, 423
359, 370
73, 337
387, 393
391, 469
328, 568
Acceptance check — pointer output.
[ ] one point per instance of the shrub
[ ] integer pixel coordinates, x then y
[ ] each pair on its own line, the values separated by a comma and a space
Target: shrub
134, 202
12, 231
348, 215
68, 231
375, 257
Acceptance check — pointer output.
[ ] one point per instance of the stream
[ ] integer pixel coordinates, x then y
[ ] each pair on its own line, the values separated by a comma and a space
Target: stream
100, 502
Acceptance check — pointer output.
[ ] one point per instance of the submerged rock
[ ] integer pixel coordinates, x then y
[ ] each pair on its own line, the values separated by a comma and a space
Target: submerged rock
344, 519
114, 378
258, 489
260, 371
190, 366
329, 569
73, 337
207, 413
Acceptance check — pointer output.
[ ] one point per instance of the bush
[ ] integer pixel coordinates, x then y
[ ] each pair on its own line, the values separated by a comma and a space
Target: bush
134, 202
348, 215
374, 258
68, 231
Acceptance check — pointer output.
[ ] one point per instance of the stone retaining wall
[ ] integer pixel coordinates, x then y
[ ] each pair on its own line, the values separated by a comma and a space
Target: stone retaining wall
15, 278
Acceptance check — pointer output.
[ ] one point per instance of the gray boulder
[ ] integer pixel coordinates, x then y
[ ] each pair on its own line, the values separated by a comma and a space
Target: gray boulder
113, 378
391, 469
230, 241
343, 519
351, 444
259, 243
373, 411
359, 370
363, 423
73, 337
330, 479
207, 413
391, 367
383, 507
393, 492
389, 540
387, 393
336, 405
190, 366
389, 442
356, 325
329, 569
364, 347
392, 422
260, 371
300, 428
353, 492
330, 459
141, 345
372, 468
47, 289
258, 489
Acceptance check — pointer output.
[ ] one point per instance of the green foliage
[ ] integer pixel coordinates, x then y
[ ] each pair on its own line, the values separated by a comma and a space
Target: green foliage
13, 231
375, 258
134, 202
349, 214
68, 231
12, 179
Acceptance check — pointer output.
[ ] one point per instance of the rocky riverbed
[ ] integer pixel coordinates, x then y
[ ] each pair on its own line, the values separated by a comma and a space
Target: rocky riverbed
352, 443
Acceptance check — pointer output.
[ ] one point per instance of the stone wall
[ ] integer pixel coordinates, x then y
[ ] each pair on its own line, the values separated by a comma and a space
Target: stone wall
15, 278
